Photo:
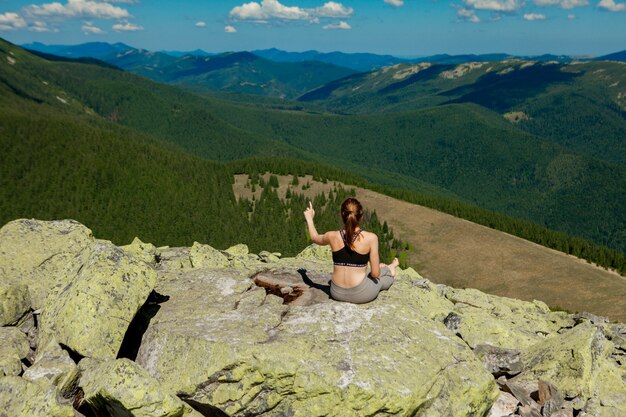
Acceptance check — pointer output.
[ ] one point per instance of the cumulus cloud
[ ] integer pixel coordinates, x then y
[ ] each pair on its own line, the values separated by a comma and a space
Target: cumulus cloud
89, 29
340, 25
79, 9
611, 6
201, 24
274, 10
563, 4
41, 26
466, 15
230, 29
395, 3
534, 16
126, 27
495, 5
11, 21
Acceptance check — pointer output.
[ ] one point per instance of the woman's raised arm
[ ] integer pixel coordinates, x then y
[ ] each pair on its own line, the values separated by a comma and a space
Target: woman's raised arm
309, 214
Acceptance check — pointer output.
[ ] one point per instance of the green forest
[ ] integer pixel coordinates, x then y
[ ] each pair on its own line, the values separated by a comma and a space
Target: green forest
129, 157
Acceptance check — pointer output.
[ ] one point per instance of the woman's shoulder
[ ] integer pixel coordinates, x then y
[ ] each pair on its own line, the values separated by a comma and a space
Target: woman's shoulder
369, 236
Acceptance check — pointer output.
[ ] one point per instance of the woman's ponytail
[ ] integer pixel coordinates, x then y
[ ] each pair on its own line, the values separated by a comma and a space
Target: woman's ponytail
351, 214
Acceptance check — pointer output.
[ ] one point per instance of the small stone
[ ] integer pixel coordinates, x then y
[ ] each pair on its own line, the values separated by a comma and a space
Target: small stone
267, 257
523, 392
505, 405
500, 361
205, 256
549, 398
452, 322
238, 250
146, 252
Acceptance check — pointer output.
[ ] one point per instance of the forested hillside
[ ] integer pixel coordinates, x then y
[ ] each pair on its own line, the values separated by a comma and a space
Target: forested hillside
451, 155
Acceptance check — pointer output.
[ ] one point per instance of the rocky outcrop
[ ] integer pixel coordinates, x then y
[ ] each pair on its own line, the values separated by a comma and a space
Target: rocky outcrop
201, 331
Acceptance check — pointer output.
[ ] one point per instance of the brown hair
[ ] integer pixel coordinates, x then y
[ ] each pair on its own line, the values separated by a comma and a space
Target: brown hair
351, 214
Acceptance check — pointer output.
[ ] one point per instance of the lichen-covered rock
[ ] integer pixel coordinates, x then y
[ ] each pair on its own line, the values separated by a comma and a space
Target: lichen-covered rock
316, 252
238, 250
21, 398
175, 259
92, 313
579, 364
121, 388
146, 252
204, 256
13, 348
14, 301
268, 257
40, 254
503, 322
223, 342
54, 366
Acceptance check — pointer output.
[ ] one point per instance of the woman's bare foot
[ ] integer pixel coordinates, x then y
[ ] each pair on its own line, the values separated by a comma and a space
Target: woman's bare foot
392, 267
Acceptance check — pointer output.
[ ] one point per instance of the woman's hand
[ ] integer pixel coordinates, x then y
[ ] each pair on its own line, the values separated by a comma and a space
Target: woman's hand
309, 213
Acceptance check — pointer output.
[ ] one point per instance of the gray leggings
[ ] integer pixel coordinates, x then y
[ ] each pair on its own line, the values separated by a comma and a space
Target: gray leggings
366, 291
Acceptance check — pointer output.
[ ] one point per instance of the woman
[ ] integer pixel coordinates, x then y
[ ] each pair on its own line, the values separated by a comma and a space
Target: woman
352, 247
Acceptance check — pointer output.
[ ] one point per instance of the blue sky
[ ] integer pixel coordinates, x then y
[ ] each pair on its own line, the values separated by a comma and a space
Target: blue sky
399, 27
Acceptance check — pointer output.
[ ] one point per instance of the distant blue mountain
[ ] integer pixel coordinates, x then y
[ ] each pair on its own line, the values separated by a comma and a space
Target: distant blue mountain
355, 61
617, 56
98, 50
179, 54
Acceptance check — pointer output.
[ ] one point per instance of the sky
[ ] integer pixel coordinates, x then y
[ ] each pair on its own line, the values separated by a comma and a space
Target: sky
397, 27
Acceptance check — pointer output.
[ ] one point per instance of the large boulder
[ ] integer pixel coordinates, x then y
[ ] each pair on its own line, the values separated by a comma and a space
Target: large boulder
41, 254
222, 342
54, 367
205, 256
483, 319
579, 364
13, 348
121, 388
91, 314
14, 301
21, 398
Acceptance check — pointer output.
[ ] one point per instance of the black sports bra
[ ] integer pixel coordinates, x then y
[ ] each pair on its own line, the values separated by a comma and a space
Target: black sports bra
348, 257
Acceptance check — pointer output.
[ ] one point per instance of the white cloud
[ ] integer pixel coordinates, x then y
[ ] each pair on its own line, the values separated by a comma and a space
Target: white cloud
611, 6
571, 16
534, 16
11, 21
332, 9
273, 9
89, 29
563, 4
230, 29
201, 24
466, 15
340, 25
40, 26
126, 27
495, 5
395, 3
79, 9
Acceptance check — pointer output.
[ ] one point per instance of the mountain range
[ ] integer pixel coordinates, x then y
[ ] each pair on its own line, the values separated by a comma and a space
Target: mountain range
464, 150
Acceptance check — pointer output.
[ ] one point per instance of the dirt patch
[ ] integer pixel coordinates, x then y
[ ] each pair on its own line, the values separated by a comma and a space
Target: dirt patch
463, 254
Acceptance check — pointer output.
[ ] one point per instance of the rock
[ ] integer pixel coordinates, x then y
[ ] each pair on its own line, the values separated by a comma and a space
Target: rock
21, 398
91, 314
55, 367
204, 256
505, 405
42, 254
564, 412
247, 353
579, 364
524, 391
175, 259
316, 252
145, 252
528, 411
121, 388
550, 398
13, 348
500, 361
409, 272
14, 301
29, 328
504, 322
267, 257
238, 250
592, 318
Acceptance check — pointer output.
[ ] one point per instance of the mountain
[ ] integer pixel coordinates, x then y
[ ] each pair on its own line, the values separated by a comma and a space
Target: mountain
98, 50
355, 61
239, 72
463, 157
196, 52
617, 56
